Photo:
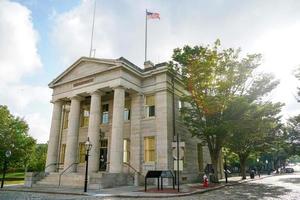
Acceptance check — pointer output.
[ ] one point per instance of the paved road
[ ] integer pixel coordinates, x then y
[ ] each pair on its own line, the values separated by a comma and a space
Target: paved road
285, 187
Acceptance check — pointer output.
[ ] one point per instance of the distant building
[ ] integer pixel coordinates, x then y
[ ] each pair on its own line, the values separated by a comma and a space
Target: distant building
126, 112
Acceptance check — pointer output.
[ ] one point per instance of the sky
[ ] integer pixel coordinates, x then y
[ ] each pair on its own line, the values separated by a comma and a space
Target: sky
39, 39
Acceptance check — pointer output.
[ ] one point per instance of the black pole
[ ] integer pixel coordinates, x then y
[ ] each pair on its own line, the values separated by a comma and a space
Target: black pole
174, 131
4, 171
86, 170
225, 169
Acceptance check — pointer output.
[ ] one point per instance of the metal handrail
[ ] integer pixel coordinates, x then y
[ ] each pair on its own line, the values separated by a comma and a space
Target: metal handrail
53, 164
59, 179
136, 171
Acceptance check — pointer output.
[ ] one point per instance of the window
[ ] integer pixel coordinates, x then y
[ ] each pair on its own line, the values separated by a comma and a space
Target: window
62, 153
180, 104
150, 106
149, 149
81, 152
105, 114
126, 152
127, 110
66, 119
85, 115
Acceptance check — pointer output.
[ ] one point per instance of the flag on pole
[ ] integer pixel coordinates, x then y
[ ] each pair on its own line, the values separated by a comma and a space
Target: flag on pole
151, 15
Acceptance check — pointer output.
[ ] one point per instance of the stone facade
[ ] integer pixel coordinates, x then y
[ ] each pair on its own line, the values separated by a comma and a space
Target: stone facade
107, 88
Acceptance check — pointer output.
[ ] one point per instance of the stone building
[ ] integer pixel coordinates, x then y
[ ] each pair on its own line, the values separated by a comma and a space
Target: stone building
127, 114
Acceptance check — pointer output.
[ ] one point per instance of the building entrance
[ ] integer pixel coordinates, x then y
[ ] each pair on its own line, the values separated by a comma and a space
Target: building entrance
103, 155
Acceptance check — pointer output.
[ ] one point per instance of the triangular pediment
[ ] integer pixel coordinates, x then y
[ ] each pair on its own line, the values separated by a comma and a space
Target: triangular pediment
83, 67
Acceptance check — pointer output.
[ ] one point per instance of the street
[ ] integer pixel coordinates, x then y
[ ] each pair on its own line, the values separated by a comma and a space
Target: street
285, 187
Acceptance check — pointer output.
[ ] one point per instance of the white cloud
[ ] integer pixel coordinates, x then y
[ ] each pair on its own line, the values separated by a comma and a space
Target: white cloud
18, 42
19, 58
72, 33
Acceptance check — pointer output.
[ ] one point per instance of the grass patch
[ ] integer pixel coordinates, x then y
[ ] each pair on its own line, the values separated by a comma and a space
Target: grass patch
13, 182
13, 178
15, 175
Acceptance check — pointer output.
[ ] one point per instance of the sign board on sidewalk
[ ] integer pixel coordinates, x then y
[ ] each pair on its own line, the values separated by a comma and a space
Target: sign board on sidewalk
181, 150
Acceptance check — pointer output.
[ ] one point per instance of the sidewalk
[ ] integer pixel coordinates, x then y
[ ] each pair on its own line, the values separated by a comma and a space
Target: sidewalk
135, 191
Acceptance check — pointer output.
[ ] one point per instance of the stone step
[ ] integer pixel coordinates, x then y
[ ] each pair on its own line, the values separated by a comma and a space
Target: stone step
39, 185
76, 180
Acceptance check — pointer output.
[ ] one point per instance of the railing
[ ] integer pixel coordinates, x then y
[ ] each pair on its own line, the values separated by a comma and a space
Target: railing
57, 168
135, 175
59, 179
135, 171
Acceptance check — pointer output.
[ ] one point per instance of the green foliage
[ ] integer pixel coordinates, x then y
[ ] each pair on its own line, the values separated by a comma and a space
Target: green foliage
294, 159
14, 136
221, 85
256, 127
38, 158
292, 132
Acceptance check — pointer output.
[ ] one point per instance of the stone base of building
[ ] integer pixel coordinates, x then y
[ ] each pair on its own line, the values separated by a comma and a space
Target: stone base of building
76, 180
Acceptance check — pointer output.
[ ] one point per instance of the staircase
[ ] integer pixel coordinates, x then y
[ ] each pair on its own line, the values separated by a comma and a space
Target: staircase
76, 180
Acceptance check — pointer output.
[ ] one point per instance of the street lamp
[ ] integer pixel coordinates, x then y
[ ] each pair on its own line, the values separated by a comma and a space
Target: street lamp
88, 147
258, 167
7, 155
267, 163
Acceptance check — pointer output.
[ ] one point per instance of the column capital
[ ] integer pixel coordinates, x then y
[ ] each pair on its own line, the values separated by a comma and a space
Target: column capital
76, 97
137, 94
118, 87
97, 92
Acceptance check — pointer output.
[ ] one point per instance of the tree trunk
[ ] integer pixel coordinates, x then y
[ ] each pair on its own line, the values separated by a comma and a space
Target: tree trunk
243, 166
215, 163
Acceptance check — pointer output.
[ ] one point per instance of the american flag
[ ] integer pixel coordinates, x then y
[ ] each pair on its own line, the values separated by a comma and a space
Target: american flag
151, 15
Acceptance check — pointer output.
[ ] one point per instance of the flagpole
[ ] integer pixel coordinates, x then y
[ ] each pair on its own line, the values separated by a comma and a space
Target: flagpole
146, 36
93, 26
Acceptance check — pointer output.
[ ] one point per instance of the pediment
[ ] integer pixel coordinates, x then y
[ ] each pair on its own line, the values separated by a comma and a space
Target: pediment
82, 68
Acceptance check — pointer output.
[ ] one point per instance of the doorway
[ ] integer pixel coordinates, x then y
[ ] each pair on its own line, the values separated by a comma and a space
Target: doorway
103, 155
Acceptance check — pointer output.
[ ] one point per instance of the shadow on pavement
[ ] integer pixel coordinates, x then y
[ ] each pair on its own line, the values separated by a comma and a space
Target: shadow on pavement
290, 180
255, 191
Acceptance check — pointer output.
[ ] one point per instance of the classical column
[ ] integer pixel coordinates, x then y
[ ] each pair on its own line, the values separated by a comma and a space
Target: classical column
116, 145
52, 152
72, 136
94, 131
135, 134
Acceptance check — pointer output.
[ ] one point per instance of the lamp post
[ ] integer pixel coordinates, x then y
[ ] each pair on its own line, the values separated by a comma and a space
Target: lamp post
267, 163
88, 147
258, 167
7, 155
225, 170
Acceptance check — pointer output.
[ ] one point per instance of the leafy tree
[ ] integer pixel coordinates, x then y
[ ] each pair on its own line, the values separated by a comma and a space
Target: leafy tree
38, 158
293, 134
255, 131
294, 159
214, 77
14, 136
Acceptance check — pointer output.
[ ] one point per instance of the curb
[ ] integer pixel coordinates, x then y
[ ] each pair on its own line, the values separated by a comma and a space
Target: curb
137, 195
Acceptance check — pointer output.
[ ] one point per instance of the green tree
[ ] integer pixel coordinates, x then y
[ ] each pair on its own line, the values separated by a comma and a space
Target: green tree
14, 136
293, 135
255, 130
214, 77
38, 158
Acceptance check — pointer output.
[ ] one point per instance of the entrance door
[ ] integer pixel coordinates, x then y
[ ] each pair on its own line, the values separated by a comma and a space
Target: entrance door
103, 155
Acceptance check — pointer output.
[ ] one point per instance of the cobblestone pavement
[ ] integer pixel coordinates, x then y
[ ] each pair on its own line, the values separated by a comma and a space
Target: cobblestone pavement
285, 187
